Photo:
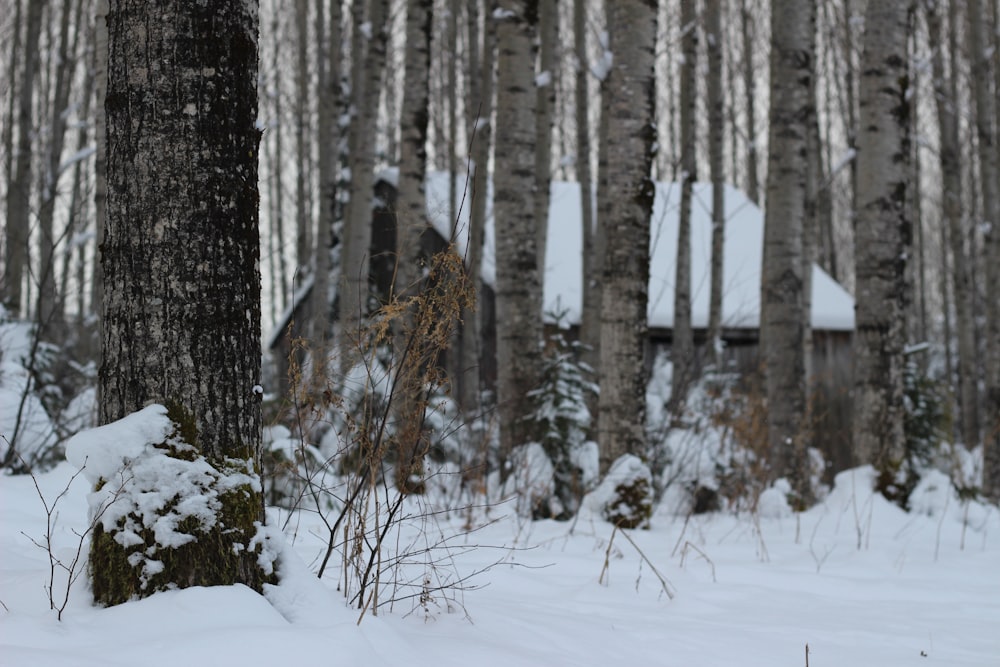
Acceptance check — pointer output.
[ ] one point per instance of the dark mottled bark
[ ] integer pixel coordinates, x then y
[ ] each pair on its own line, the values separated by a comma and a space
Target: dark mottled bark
593, 251
410, 224
716, 129
983, 42
884, 239
682, 344
481, 131
626, 194
783, 314
955, 223
180, 257
366, 87
19, 187
519, 287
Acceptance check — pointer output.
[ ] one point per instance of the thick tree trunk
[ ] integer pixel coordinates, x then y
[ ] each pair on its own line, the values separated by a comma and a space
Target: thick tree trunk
716, 133
627, 191
182, 307
986, 103
883, 242
519, 286
682, 343
783, 316
19, 191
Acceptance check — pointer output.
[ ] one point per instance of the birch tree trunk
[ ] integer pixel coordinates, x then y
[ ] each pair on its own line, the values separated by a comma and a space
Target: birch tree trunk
981, 50
850, 100
182, 307
519, 287
627, 191
749, 86
277, 160
481, 132
368, 64
19, 192
590, 319
100, 159
411, 207
883, 241
6, 288
952, 213
451, 14
783, 316
328, 134
76, 215
50, 319
303, 217
716, 132
548, 34
682, 344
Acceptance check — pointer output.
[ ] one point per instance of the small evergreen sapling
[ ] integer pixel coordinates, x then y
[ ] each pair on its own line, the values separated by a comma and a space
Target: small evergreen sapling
562, 419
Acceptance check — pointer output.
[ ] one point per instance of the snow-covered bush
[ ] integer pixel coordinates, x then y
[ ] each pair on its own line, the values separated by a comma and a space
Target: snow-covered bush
530, 482
625, 495
717, 460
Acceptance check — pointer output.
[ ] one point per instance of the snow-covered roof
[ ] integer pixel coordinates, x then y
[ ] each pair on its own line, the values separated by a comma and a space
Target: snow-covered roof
832, 305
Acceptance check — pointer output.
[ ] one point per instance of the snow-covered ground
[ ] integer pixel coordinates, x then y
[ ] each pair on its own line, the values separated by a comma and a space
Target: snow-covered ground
858, 580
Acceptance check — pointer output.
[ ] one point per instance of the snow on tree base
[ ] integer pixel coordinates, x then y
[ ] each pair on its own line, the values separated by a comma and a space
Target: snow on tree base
625, 495
164, 516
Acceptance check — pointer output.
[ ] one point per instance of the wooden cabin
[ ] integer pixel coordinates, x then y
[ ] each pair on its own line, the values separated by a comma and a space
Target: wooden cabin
832, 312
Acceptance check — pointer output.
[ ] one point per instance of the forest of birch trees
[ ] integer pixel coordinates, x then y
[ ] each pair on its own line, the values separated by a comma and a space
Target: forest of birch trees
866, 132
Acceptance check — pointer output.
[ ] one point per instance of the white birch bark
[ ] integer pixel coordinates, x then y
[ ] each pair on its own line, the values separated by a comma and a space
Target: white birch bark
328, 59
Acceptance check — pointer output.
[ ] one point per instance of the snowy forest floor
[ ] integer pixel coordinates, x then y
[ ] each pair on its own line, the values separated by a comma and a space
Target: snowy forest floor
857, 579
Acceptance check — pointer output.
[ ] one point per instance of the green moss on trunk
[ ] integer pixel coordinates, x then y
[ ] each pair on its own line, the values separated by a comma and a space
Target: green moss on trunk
218, 556
223, 551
